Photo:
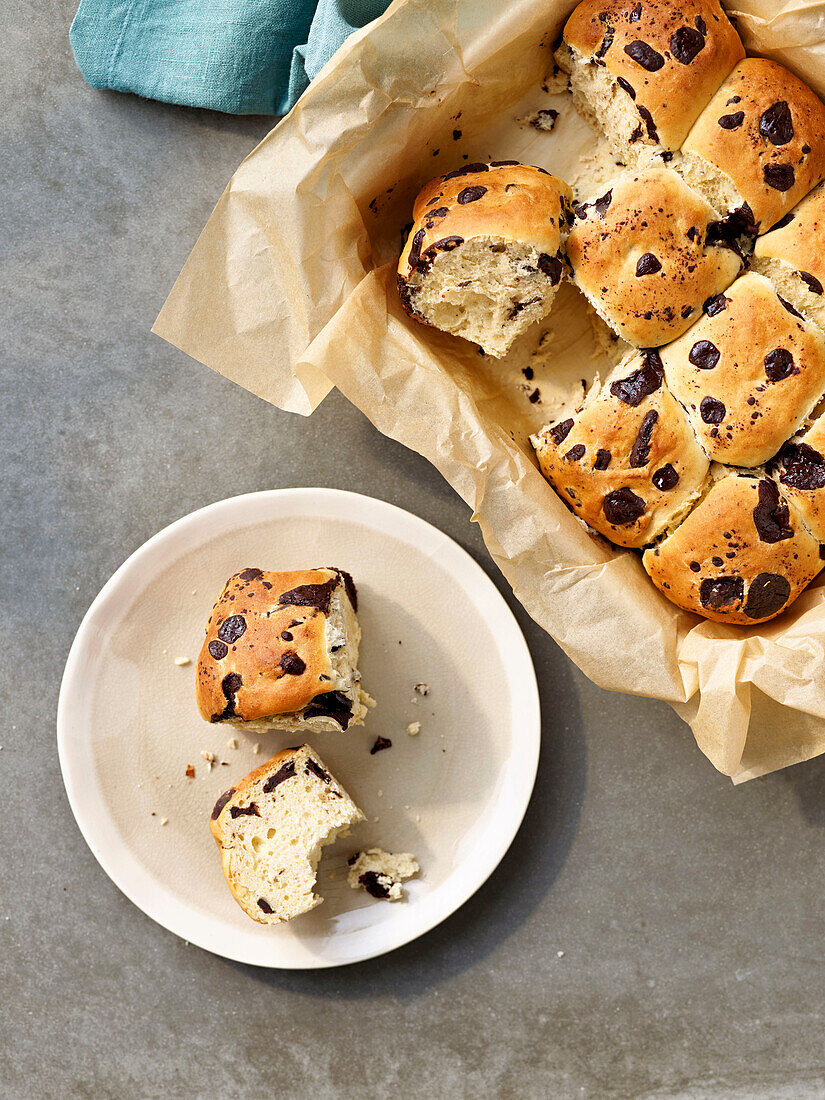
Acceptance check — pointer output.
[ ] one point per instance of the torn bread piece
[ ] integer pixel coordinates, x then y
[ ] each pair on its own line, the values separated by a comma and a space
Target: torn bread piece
381, 873
800, 470
484, 256
641, 73
271, 828
627, 462
792, 256
281, 652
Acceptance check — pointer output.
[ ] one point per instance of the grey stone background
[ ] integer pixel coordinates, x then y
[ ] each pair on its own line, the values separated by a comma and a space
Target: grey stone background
689, 912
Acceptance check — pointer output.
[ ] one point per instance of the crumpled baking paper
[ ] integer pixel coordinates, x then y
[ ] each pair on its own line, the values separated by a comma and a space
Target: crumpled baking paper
290, 291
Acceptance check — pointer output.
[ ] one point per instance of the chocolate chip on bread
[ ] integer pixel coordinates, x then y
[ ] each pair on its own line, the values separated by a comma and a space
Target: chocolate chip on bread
381, 873
627, 462
281, 651
483, 259
271, 828
645, 256
742, 555
642, 72
792, 256
800, 470
759, 145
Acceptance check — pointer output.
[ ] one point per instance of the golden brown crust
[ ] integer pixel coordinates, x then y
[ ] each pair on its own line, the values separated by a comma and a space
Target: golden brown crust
765, 129
800, 470
741, 556
627, 463
513, 201
798, 240
669, 57
640, 252
748, 373
265, 653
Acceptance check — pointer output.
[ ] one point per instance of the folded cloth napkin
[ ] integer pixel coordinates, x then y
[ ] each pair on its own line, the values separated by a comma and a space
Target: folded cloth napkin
240, 56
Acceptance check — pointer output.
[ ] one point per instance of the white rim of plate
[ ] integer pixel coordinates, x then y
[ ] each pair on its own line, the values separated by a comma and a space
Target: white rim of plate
512, 799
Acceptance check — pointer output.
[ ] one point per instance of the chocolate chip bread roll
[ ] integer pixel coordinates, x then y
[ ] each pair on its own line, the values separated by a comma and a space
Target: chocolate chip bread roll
800, 471
645, 256
748, 373
281, 651
759, 145
271, 827
642, 72
742, 555
792, 256
627, 463
484, 259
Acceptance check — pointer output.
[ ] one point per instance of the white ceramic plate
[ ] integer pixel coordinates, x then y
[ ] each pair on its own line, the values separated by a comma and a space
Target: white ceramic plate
454, 795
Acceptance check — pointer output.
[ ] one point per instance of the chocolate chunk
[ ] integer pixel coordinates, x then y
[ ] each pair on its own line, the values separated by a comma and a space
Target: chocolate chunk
264, 905
251, 574
331, 704
468, 169
685, 44
349, 585
534, 396
716, 593
519, 306
715, 304
791, 309
643, 54
802, 466
695, 566
551, 266
770, 517
635, 13
230, 684
647, 264
601, 205
310, 595
287, 637
575, 453
232, 628
780, 177
776, 124
701, 26
244, 811
446, 244
292, 664
218, 650
627, 86
813, 284
405, 293
665, 478
286, 771
510, 163
439, 212
380, 744
222, 801
373, 885
316, 769
768, 594
650, 125
602, 459
711, 410
622, 507
789, 217
544, 120
704, 354
414, 258
643, 382
471, 194
640, 451
778, 364
559, 432
732, 122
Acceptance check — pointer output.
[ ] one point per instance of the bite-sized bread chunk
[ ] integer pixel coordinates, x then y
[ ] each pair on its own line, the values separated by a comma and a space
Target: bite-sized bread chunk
642, 72
270, 829
281, 652
627, 463
749, 372
645, 256
484, 258
792, 256
381, 873
741, 556
759, 145
800, 470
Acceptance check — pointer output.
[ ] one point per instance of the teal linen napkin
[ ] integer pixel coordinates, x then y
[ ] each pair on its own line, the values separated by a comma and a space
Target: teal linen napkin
239, 56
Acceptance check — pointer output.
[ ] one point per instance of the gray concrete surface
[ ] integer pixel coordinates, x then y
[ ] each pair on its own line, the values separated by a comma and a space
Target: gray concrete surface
689, 913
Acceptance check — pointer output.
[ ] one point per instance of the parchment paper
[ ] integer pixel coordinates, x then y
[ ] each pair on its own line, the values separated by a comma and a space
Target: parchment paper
290, 291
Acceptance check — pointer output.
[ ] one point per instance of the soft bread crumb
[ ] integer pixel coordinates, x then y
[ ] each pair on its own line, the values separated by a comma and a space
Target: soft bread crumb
182, 661
414, 728
381, 873
231, 743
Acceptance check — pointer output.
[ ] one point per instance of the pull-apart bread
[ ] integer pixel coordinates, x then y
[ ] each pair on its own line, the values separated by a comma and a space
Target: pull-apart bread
641, 72
281, 651
483, 259
271, 828
792, 256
